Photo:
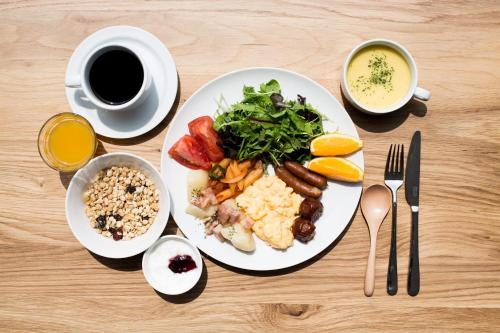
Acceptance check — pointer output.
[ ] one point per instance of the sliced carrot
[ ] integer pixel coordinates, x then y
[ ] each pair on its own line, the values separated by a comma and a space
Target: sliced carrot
219, 187
224, 195
233, 174
225, 162
244, 166
234, 167
229, 173
233, 179
252, 177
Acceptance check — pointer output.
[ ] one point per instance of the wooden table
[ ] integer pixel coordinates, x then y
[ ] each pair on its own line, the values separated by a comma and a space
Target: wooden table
48, 282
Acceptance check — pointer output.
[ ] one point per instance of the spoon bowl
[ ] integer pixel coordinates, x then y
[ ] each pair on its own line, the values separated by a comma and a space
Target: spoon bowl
375, 204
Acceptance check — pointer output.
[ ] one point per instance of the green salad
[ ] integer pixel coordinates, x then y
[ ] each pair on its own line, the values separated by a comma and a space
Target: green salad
267, 126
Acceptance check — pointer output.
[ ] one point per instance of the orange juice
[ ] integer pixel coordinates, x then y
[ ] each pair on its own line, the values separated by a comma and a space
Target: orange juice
67, 142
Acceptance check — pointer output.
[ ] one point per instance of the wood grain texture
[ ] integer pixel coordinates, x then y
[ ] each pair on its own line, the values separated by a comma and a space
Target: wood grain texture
49, 283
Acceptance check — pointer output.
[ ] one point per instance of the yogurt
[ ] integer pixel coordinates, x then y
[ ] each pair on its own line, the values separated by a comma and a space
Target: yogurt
173, 251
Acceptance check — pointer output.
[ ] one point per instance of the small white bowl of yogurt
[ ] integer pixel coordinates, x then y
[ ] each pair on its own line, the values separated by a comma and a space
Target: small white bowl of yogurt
172, 265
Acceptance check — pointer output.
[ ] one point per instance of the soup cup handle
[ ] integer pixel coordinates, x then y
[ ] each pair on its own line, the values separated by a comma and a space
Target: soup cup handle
422, 94
73, 81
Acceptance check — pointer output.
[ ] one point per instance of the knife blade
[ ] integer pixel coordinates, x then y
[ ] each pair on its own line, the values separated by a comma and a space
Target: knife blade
412, 189
412, 176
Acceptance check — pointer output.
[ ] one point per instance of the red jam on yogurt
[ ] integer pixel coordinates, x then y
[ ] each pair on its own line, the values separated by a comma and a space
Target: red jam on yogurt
181, 263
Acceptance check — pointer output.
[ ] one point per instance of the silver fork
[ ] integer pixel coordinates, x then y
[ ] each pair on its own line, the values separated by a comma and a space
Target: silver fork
394, 174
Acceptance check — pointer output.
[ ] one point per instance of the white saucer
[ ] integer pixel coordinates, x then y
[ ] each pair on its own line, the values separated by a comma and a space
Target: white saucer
128, 123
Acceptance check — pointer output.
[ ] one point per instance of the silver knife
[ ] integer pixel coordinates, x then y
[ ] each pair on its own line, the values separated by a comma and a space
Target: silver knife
412, 186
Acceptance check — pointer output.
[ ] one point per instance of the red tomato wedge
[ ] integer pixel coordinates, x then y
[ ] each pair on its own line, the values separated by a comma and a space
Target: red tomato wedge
188, 152
202, 130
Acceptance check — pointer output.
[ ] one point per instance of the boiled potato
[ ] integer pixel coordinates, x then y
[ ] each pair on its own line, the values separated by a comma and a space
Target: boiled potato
201, 213
197, 180
240, 237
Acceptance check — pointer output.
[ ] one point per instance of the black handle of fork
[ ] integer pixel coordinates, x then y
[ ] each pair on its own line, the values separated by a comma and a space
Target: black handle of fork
392, 271
414, 266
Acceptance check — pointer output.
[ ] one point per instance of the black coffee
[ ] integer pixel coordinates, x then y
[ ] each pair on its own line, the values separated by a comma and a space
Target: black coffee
116, 76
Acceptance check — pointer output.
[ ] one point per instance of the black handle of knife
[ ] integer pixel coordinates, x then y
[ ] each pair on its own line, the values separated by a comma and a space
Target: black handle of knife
392, 271
414, 267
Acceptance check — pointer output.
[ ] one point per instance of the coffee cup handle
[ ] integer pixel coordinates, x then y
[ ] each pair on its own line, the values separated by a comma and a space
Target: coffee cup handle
73, 81
422, 94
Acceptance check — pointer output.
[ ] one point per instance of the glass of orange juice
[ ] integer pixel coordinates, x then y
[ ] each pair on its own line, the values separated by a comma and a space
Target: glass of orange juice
67, 142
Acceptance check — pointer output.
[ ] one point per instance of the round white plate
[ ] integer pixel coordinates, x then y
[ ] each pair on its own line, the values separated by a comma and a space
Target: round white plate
128, 123
339, 199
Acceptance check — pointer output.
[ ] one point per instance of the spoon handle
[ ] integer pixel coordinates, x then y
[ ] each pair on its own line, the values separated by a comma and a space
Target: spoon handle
370, 267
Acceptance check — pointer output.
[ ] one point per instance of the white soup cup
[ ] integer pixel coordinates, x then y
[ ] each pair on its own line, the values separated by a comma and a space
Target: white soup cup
413, 92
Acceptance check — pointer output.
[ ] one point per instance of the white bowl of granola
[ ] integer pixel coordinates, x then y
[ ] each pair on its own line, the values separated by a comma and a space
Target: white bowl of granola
117, 206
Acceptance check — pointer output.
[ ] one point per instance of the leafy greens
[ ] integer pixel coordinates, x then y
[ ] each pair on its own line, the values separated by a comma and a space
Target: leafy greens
266, 126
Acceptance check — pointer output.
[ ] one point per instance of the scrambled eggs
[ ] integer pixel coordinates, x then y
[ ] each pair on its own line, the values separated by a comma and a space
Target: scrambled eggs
273, 206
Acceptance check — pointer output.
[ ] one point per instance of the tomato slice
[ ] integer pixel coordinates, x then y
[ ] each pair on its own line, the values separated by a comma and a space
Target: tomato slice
202, 130
188, 152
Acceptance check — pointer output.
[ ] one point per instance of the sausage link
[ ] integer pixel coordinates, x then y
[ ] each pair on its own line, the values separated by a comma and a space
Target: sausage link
298, 185
306, 175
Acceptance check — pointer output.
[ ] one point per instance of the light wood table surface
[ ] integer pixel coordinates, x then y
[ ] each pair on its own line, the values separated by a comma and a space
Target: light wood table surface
50, 283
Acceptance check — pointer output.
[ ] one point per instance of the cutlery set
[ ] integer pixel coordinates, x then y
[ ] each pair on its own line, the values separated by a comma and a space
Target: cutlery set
375, 205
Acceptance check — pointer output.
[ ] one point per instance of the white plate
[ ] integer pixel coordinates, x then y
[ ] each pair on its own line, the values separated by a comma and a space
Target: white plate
128, 123
79, 222
339, 199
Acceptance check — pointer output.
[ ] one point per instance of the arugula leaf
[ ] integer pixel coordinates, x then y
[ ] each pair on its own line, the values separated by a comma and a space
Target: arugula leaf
248, 90
270, 87
274, 132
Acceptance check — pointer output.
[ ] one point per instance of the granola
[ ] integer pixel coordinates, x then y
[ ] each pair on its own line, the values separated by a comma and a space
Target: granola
121, 202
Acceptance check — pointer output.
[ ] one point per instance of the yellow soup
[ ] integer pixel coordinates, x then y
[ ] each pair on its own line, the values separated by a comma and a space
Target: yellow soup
378, 76
67, 142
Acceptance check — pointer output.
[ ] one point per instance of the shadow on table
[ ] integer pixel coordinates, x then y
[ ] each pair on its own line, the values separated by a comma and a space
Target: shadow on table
155, 131
192, 294
171, 228
66, 177
292, 269
133, 263
386, 122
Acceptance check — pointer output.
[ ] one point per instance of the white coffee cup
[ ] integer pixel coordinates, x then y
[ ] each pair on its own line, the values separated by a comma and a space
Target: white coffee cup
413, 92
81, 80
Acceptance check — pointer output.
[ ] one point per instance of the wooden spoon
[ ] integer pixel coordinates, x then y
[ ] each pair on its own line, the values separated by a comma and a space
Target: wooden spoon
375, 205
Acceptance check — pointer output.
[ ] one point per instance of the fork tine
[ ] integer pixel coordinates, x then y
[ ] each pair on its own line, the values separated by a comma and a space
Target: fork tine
396, 170
402, 158
387, 163
394, 156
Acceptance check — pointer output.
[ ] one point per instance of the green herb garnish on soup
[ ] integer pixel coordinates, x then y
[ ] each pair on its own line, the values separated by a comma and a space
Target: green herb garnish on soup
378, 76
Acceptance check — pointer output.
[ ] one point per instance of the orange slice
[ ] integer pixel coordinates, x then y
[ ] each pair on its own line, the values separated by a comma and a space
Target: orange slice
337, 168
335, 144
